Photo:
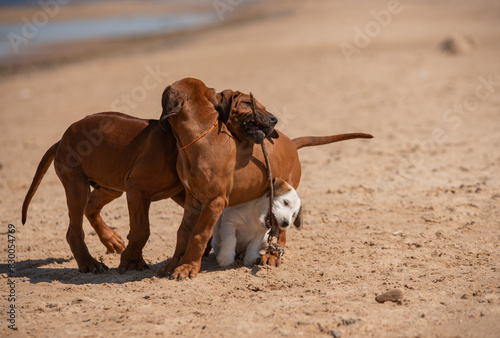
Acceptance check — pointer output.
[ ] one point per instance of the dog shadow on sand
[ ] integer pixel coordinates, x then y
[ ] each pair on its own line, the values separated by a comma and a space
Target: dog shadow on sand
38, 271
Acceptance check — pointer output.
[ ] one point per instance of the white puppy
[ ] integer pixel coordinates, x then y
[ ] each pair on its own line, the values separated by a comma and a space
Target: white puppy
244, 228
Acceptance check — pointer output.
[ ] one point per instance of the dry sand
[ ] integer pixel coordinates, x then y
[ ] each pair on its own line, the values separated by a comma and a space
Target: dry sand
416, 208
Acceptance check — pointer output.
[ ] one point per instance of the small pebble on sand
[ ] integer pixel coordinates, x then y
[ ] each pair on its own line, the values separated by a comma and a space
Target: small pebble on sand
394, 295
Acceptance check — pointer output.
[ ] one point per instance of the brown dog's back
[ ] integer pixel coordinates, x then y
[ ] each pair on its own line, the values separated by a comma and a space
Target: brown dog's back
114, 150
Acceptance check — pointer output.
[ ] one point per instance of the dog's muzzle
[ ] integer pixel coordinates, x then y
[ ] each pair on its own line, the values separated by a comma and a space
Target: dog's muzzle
267, 222
257, 127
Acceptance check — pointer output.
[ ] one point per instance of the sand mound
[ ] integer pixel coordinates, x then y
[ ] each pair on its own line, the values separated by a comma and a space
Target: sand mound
458, 44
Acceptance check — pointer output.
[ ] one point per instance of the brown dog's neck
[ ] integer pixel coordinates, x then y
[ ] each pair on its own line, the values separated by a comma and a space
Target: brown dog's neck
190, 128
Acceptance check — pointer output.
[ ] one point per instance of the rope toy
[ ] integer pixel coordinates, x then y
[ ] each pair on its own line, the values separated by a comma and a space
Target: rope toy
274, 248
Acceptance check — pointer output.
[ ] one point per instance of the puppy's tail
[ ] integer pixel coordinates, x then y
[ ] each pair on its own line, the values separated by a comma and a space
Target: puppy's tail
43, 166
309, 141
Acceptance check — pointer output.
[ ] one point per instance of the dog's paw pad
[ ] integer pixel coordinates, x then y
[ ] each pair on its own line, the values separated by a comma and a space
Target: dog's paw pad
132, 264
185, 271
269, 259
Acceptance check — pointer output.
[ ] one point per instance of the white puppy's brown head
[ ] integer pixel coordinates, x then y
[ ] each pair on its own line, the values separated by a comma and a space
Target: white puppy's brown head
287, 208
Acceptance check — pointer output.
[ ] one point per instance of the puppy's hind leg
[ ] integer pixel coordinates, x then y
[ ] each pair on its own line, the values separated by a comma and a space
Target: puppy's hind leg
98, 199
138, 208
77, 194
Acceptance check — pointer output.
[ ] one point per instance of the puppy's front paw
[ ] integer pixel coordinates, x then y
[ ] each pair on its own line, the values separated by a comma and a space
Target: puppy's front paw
269, 259
225, 259
250, 260
185, 271
167, 269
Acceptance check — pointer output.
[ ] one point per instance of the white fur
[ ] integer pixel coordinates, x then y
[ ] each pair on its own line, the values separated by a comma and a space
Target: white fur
242, 228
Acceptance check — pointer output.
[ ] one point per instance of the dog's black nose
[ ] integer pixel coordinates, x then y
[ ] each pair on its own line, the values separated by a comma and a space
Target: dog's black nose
273, 119
285, 223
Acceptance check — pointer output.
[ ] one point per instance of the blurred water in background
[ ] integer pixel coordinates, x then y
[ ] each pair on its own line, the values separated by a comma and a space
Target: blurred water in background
13, 35
115, 27
32, 2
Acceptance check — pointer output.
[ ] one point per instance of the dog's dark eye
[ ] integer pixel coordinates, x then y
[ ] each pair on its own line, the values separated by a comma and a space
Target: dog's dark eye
285, 202
248, 104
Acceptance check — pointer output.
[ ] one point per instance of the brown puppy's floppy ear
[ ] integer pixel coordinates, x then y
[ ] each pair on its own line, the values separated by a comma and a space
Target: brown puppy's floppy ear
212, 97
171, 102
280, 186
224, 102
298, 220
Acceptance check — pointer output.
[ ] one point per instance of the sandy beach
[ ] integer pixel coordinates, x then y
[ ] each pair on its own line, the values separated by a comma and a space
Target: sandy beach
416, 208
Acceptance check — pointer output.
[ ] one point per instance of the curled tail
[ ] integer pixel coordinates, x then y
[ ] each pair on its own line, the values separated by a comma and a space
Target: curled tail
309, 141
43, 166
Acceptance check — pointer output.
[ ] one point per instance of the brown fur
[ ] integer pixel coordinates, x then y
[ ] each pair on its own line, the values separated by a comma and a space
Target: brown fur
216, 171
118, 153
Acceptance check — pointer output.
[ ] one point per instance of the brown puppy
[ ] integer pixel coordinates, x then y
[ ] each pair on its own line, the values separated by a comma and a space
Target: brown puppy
217, 171
115, 153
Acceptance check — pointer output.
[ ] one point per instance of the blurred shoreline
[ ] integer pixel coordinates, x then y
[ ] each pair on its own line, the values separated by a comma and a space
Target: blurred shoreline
177, 22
